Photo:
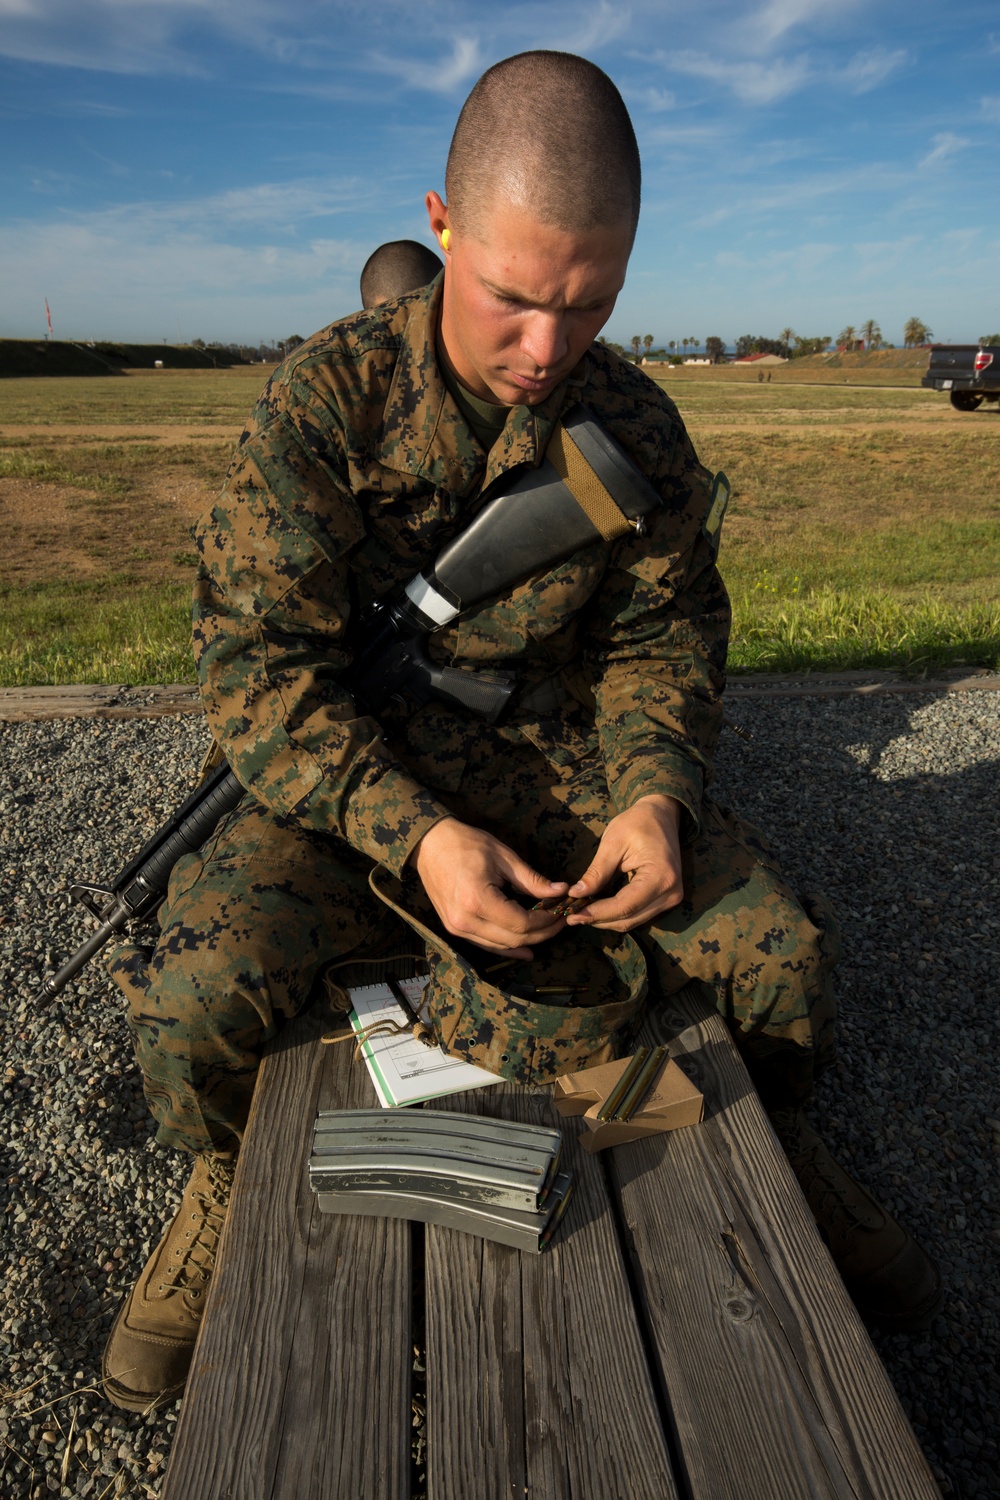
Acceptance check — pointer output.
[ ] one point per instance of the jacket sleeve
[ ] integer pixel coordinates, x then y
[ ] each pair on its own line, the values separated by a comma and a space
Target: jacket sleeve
271, 609
657, 640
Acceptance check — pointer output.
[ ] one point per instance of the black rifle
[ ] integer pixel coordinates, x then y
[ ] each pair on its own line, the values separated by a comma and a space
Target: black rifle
532, 523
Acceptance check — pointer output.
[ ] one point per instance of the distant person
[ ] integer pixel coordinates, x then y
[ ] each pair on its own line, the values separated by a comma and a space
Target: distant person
398, 267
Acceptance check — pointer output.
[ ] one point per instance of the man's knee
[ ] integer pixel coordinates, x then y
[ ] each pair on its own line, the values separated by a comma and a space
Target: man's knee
757, 934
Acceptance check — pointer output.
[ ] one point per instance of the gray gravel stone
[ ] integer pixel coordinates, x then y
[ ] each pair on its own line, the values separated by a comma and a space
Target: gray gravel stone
887, 803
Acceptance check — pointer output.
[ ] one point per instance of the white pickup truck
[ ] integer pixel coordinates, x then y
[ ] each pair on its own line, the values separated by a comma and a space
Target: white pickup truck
969, 372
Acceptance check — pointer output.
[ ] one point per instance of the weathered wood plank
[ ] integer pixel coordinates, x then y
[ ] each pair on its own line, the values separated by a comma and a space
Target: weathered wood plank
96, 701
775, 1388
122, 701
537, 1381
301, 1378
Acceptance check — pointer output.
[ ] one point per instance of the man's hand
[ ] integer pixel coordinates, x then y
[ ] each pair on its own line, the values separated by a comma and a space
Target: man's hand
644, 844
464, 871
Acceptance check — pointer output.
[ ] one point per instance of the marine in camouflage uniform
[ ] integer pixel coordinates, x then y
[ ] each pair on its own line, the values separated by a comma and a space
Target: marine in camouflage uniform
357, 467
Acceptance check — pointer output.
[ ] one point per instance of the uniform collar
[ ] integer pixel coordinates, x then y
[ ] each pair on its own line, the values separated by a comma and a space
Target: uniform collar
425, 434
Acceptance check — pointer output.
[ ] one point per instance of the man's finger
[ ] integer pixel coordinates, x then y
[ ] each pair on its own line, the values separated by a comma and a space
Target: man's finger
523, 878
640, 901
496, 921
600, 870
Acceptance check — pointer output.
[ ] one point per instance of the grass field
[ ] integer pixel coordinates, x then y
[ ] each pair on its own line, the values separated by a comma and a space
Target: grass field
864, 528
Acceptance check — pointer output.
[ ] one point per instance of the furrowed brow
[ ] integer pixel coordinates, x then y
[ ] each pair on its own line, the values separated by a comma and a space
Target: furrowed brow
509, 295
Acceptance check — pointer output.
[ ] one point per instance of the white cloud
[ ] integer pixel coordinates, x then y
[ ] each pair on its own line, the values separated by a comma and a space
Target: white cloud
656, 100
867, 70
604, 24
753, 82
266, 203
113, 36
800, 261
142, 267
989, 107
945, 145
777, 198
876, 257
686, 135
438, 78
776, 18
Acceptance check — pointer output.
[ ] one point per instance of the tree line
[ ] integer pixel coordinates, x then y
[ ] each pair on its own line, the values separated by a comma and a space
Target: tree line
851, 339
788, 344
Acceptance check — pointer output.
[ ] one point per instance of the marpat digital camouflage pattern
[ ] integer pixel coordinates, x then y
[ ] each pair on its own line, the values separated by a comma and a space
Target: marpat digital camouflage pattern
355, 470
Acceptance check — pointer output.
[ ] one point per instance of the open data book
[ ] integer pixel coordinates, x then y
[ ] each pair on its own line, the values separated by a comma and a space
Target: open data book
403, 1070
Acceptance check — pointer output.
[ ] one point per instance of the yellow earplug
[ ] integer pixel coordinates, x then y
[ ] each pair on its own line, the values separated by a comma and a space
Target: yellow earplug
446, 240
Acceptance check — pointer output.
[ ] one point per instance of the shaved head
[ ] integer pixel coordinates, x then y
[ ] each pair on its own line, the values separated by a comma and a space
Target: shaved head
549, 133
395, 269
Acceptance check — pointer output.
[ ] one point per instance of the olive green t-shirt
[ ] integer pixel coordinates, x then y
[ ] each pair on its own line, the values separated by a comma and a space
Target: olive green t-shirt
486, 420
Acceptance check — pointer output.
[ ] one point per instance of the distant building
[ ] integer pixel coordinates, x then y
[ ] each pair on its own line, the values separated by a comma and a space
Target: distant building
761, 359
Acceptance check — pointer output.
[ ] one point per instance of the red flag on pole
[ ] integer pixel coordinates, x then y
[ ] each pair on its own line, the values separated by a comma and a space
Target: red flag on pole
48, 315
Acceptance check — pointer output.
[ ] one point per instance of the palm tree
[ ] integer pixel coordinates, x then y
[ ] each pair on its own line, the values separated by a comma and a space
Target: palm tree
647, 342
785, 337
685, 343
915, 333
636, 341
871, 333
672, 345
847, 338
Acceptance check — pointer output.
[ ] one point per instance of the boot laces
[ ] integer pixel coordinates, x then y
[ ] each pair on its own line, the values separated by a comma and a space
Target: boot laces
827, 1196
193, 1260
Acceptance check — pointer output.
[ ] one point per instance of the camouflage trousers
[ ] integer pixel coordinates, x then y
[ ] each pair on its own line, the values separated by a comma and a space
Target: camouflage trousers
251, 921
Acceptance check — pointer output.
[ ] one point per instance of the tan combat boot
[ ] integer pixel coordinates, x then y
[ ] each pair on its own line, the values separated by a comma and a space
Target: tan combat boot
148, 1354
891, 1281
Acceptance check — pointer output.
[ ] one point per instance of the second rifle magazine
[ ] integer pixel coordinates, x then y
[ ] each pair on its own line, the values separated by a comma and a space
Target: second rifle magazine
498, 1179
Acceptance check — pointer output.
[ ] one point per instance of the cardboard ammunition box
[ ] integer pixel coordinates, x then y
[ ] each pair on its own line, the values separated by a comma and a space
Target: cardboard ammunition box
672, 1101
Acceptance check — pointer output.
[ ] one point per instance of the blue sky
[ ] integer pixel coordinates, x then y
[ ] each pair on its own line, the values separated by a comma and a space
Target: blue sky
222, 168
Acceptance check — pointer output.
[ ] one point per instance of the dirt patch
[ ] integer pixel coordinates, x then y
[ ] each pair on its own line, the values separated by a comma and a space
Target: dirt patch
115, 433
57, 532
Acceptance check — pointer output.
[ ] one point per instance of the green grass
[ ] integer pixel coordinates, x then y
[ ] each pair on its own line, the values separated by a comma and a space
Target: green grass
109, 632
109, 468
741, 402
117, 631
864, 528
217, 398
828, 629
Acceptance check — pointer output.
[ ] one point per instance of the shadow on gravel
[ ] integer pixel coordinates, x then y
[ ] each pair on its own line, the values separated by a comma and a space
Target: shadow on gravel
889, 804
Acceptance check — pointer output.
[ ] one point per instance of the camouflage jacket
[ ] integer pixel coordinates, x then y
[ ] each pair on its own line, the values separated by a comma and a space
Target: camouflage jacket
356, 467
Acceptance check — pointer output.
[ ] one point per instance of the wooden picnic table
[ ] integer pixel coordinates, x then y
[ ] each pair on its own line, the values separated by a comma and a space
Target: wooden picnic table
686, 1334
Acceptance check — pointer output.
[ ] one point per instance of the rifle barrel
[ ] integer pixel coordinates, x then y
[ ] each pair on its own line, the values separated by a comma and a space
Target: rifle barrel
107, 930
140, 887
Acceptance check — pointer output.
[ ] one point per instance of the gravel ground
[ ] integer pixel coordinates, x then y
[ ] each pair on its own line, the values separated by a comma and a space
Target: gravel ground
887, 803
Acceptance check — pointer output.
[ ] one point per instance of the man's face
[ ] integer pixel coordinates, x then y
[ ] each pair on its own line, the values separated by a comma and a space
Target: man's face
524, 300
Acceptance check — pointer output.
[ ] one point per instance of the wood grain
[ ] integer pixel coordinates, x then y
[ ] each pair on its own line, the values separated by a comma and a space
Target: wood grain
537, 1381
94, 701
121, 701
775, 1388
300, 1387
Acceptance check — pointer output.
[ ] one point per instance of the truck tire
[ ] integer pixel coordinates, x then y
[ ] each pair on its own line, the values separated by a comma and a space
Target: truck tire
966, 400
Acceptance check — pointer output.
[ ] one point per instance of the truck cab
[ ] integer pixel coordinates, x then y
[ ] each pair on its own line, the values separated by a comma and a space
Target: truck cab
970, 373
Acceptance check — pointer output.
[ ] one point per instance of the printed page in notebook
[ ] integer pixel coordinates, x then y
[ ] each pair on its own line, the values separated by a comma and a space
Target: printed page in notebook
402, 1069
